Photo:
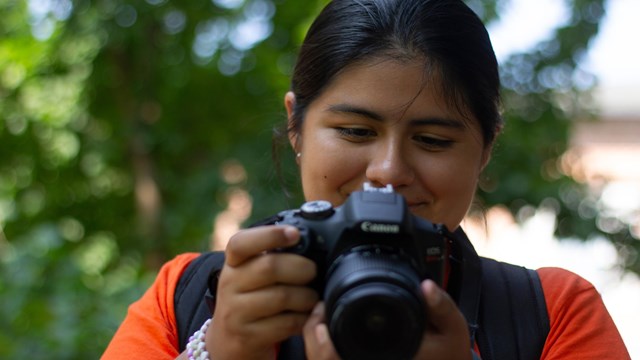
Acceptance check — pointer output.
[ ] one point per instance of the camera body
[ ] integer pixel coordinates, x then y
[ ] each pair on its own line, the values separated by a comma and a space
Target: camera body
371, 254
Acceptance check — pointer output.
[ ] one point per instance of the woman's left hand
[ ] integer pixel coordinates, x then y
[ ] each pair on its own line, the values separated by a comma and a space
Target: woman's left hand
317, 343
447, 335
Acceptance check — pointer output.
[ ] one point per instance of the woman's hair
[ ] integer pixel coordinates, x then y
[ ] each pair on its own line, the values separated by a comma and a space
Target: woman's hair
446, 34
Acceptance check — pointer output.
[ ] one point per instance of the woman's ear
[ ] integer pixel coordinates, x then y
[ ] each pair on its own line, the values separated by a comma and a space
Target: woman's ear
486, 157
289, 104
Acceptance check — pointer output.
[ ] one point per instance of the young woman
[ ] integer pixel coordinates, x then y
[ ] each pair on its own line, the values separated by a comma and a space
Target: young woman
389, 92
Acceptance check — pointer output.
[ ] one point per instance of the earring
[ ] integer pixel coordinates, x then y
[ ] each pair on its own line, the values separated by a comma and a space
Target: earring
298, 155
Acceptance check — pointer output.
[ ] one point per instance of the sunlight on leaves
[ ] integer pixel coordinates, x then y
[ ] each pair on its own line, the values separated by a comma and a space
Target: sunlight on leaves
96, 253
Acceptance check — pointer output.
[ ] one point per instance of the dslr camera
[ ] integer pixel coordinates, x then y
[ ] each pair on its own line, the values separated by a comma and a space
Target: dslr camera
371, 254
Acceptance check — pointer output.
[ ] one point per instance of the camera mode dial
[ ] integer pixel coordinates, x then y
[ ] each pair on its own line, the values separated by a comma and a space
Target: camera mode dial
316, 210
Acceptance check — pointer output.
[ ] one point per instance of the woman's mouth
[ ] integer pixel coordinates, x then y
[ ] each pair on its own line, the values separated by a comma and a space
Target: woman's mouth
416, 205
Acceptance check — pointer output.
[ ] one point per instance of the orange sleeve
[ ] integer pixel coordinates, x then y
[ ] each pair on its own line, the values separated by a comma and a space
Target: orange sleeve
149, 329
581, 327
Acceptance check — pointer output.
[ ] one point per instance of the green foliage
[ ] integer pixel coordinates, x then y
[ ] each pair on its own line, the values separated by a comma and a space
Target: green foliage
544, 89
117, 120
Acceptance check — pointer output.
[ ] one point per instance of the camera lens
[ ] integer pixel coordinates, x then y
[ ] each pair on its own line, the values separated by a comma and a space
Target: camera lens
376, 321
374, 309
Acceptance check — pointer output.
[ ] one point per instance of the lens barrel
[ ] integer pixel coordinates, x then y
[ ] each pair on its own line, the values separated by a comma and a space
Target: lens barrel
374, 306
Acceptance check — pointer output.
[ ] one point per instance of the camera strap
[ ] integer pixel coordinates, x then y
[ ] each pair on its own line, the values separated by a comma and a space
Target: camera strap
465, 282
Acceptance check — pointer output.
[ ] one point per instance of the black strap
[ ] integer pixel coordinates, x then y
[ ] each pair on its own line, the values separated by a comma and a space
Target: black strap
465, 282
292, 349
513, 322
190, 306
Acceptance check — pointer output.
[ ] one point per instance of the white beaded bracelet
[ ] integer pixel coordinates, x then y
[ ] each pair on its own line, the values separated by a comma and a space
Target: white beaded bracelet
196, 345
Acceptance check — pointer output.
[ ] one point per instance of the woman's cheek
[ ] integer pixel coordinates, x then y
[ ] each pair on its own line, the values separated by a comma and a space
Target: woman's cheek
452, 188
332, 170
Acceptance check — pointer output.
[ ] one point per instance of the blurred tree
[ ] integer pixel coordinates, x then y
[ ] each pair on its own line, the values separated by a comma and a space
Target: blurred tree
544, 89
126, 125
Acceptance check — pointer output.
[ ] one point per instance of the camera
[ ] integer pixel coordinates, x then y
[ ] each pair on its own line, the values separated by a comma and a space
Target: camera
371, 254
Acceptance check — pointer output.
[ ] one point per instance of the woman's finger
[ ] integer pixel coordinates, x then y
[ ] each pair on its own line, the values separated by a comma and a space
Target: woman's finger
274, 300
317, 341
275, 329
248, 243
274, 268
447, 336
443, 312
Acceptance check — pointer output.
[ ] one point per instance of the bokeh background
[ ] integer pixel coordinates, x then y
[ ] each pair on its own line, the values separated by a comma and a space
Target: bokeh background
134, 130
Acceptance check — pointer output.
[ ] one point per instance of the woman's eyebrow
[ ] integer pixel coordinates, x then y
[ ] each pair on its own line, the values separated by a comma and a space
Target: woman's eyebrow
435, 120
351, 109
440, 121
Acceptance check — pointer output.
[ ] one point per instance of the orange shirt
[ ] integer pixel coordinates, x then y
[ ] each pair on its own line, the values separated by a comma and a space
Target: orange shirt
581, 327
149, 330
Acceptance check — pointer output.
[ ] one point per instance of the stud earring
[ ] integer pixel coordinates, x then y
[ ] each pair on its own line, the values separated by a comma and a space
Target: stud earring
298, 155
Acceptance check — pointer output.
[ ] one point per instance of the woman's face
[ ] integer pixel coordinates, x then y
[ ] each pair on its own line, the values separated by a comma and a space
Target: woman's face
378, 122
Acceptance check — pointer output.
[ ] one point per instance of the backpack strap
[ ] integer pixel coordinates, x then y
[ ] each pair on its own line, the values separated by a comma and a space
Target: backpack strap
513, 319
192, 308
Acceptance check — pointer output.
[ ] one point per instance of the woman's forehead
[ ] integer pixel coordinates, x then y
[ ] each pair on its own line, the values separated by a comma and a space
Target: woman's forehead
396, 83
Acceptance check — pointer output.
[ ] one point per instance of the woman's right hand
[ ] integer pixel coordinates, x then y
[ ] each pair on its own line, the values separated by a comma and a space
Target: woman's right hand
262, 298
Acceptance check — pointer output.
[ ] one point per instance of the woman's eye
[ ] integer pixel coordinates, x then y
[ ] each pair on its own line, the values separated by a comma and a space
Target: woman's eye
431, 142
356, 133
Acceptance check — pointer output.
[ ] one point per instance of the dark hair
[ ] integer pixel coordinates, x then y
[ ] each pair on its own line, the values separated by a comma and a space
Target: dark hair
446, 33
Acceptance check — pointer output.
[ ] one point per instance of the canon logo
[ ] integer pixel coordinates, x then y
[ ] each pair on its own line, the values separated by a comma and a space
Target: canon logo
368, 226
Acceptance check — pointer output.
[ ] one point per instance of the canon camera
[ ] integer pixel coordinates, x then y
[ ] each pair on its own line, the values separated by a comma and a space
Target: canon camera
372, 254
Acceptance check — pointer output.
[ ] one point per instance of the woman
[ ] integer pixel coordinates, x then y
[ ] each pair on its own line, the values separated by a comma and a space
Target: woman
389, 92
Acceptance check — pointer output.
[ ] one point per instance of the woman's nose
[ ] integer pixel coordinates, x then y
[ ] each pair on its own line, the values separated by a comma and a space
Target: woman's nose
389, 165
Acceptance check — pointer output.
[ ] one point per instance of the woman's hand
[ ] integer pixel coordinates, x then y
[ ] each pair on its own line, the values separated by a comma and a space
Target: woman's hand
261, 298
447, 336
317, 344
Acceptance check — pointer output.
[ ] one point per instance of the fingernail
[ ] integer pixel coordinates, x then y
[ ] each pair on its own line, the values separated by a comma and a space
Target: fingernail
433, 292
292, 234
322, 333
318, 309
